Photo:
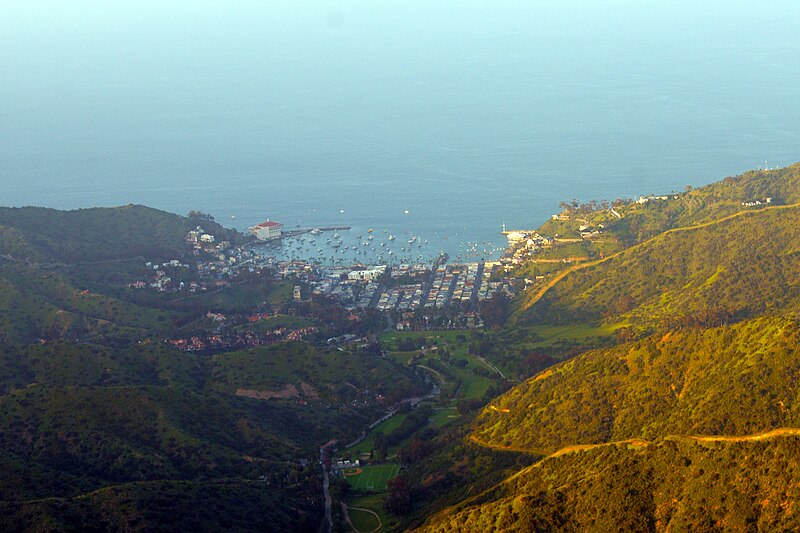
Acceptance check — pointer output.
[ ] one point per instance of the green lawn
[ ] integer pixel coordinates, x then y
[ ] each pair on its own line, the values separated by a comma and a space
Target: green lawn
373, 477
403, 357
281, 293
244, 295
474, 386
386, 427
442, 416
391, 338
363, 521
374, 502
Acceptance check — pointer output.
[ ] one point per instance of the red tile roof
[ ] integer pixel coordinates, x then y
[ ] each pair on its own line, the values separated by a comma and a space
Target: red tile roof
270, 224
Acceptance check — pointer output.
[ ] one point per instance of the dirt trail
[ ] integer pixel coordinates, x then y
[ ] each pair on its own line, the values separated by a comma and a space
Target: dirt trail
779, 432
582, 447
475, 440
462, 504
773, 433
564, 260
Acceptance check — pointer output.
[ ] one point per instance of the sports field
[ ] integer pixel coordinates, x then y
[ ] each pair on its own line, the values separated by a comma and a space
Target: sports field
373, 477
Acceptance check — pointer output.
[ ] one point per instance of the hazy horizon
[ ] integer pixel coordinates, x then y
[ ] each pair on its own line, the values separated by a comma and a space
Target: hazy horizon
467, 114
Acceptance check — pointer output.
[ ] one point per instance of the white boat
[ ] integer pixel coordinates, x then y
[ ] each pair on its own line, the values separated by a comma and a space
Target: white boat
391, 237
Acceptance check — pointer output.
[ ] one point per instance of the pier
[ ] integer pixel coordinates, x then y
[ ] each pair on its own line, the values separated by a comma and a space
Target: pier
302, 231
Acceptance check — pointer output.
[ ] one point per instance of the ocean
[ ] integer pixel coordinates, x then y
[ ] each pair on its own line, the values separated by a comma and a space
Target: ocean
436, 120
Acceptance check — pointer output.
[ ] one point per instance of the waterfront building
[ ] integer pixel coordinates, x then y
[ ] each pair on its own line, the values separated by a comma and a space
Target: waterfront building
267, 230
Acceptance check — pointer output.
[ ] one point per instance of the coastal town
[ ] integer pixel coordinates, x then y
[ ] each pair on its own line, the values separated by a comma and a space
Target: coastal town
426, 294
415, 296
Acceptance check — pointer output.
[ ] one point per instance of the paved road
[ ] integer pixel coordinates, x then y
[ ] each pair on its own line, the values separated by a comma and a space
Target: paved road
326, 482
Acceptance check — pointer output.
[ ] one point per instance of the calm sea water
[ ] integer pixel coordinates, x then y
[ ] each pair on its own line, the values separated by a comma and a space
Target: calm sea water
466, 114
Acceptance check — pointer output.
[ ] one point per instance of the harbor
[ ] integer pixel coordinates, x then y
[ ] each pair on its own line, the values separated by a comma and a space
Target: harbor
345, 244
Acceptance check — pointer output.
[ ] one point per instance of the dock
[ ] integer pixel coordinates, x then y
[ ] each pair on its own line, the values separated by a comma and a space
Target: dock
302, 231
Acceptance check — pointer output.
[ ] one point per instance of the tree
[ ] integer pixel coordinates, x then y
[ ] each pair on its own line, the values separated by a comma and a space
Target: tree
199, 215
381, 445
494, 310
398, 500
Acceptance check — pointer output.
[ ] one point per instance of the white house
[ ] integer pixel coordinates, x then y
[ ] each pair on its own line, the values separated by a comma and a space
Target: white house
371, 274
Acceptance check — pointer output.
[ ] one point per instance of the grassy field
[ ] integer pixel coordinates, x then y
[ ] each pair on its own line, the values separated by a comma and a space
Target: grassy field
391, 338
374, 502
363, 521
386, 427
442, 416
473, 386
403, 357
245, 295
456, 342
281, 293
373, 477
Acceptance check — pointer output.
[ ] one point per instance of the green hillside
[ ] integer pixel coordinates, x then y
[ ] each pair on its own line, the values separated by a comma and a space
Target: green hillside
63, 274
98, 234
731, 380
672, 485
711, 202
328, 375
37, 303
739, 267
642, 219
693, 427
